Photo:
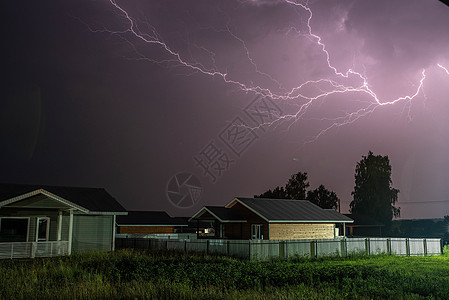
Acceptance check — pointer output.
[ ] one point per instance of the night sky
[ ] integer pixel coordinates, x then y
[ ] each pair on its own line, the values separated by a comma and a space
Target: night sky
238, 94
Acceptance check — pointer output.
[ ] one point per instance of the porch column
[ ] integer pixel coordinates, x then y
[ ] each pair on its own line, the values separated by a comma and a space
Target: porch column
58, 238
113, 234
70, 231
197, 228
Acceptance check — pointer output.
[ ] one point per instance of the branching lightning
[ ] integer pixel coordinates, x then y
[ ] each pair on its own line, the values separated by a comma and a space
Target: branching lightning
326, 86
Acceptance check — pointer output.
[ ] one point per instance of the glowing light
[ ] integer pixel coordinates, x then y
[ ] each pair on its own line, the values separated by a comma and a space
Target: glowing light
151, 37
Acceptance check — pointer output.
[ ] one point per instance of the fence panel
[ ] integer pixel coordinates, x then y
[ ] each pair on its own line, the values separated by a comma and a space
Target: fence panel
356, 246
298, 248
178, 245
433, 246
398, 246
218, 246
264, 250
197, 246
416, 247
239, 248
378, 246
328, 248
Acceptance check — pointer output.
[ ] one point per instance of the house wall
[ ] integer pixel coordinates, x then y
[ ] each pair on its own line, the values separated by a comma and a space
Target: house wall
232, 230
145, 229
33, 214
251, 218
92, 232
293, 231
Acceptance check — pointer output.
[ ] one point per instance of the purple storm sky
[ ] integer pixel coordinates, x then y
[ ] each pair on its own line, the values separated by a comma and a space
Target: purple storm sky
125, 95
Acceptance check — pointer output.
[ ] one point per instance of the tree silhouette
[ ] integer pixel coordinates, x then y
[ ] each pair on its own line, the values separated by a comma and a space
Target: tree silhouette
374, 197
323, 198
294, 189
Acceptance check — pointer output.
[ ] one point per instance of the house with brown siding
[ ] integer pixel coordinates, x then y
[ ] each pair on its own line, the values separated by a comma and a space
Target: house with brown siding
149, 222
272, 219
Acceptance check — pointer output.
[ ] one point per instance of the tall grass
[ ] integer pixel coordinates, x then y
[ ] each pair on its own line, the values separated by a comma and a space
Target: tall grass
169, 275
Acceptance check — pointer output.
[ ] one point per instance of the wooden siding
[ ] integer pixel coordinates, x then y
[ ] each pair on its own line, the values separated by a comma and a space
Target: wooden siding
92, 232
232, 230
145, 229
294, 231
251, 218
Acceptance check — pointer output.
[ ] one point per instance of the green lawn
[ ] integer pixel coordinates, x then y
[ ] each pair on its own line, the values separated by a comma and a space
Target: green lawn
158, 275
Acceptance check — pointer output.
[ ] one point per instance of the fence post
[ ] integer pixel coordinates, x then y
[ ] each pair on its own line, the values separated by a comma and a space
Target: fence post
312, 249
281, 247
389, 246
407, 247
32, 250
12, 250
227, 248
185, 246
425, 246
51, 248
249, 249
207, 247
367, 246
166, 244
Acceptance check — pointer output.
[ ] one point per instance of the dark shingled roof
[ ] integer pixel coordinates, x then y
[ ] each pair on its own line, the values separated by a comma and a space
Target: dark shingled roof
150, 218
93, 199
226, 214
292, 210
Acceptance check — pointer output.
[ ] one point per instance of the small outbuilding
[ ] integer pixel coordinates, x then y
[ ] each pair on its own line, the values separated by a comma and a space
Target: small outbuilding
38, 220
149, 222
272, 219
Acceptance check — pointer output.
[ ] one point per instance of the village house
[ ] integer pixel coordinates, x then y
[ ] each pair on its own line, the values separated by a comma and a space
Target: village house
272, 219
37, 220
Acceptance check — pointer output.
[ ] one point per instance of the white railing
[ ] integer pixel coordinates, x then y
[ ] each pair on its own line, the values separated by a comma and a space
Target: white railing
33, 249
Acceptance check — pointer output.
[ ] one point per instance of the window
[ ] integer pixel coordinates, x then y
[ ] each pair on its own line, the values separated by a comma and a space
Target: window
256, 231
13, 229
42, 229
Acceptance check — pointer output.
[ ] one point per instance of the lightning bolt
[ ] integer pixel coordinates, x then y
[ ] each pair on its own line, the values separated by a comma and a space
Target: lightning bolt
323, 88
444, 68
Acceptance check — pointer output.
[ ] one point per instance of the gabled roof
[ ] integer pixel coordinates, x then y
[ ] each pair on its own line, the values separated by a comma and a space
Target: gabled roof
89, 200
149, 218
223, 214
282, 210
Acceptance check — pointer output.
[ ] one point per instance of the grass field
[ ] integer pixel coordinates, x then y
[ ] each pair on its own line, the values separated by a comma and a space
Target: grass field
167, 275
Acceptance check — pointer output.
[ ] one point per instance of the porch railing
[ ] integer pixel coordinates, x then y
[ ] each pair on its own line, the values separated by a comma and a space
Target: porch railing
33, 249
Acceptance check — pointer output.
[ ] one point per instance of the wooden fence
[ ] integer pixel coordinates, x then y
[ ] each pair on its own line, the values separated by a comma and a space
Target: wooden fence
33, 249
284, 249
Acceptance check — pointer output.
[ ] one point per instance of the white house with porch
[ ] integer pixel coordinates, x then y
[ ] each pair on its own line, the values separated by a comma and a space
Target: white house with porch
40, 221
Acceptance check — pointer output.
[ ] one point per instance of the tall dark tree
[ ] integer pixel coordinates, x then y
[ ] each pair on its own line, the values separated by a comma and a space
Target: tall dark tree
374, 197
323, 198
296, 186
294, 189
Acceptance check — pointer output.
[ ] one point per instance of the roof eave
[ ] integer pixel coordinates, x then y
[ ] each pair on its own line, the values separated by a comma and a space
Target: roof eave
46, 193
310, 221
117, 213
151, 225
